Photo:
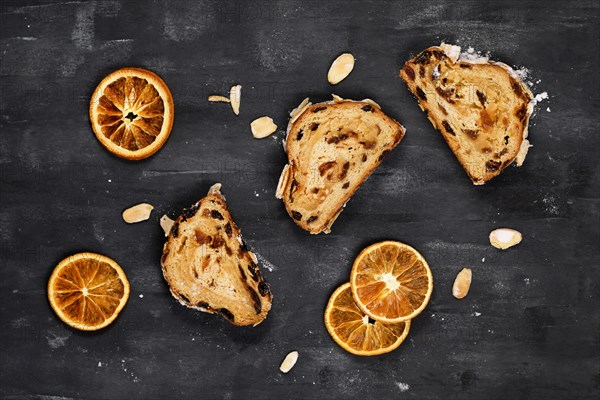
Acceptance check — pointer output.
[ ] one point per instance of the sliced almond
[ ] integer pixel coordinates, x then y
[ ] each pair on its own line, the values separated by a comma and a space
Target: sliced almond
216, 97
452, 51
138, 213
340, 68
166, 223
262, 127
235, 96
283, 178
296, 112
462, 283
372, 102
504, 238
520, 159
289, 362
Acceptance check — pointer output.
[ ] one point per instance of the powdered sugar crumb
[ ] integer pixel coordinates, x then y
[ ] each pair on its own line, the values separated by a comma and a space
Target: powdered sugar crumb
403, 386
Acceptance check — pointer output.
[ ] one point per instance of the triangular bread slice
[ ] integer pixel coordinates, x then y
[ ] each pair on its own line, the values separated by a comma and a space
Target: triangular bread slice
481, 107
332, 148
208, 266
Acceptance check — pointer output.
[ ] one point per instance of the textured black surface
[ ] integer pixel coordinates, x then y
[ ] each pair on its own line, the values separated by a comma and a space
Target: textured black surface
530, 325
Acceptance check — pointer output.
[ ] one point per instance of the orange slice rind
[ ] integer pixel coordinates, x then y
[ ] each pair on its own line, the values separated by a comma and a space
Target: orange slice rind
87, 291
132, 113
355, 332
391, 282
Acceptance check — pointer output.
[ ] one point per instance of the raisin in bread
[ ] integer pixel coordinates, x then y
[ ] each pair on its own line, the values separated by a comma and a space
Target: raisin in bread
332, 148
481, 108
208, 266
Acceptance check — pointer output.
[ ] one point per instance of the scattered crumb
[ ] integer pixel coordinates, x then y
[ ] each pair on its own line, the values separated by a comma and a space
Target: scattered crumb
540, 97
476, 314
526, 280
483, 259
548, 109
99, 363
403, 386
141, 296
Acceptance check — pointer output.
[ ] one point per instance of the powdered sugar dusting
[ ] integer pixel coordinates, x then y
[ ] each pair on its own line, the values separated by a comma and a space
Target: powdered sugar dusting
403, 386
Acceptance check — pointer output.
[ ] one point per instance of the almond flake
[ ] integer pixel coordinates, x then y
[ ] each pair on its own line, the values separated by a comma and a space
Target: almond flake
462, 283
219, 98
504, 238
262, 127
138, 213
296, 112
235, 96
283, 179
289, 362
166, 223
340, 68
520, 158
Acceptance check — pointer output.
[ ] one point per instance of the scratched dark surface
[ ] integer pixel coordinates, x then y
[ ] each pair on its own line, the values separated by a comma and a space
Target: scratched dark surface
529, 328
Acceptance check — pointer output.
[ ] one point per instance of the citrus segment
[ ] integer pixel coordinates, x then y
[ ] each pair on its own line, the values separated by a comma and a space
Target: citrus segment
355, 332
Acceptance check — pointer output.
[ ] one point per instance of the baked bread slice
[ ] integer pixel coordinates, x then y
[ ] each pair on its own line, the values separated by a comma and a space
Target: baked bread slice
208, 266
481, 107
332, 148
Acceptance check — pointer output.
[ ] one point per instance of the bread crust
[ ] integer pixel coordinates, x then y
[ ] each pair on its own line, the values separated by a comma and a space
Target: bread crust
472, 127
208, 266
327, 165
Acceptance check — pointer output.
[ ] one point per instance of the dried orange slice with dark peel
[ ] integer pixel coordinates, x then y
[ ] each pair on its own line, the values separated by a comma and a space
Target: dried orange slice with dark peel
355, 332
87, 291
391, 282
132, 112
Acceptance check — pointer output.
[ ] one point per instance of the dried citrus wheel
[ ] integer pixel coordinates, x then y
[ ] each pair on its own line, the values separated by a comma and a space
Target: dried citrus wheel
87, 291
391, 282
131, 112
355, 332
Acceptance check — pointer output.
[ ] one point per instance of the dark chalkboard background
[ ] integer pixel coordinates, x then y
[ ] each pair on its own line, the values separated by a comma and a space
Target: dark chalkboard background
529, 328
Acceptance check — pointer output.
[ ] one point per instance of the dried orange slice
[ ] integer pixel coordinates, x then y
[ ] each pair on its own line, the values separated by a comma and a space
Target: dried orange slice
355, 332
131, 112
87, 291
391, 282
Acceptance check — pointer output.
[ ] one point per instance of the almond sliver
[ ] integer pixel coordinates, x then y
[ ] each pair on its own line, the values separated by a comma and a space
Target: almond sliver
138, 213
219, 98
235, 95
166, 223
504, 238
262, 127
340, 68
462, 283
289, 362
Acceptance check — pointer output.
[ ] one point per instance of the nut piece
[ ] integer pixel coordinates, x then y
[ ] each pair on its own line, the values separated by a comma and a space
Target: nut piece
138, 213
283, 179
262, 127
341, 68
520, 158
296, 112
462, 283
235, 96
289, 362
166, 223
216, 97
504, 238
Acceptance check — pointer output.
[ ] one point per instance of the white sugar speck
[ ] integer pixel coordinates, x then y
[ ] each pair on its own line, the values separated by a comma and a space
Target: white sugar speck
99, 363
483, 259
526, 280
403, 386
476, 314
141, 296
548, 109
